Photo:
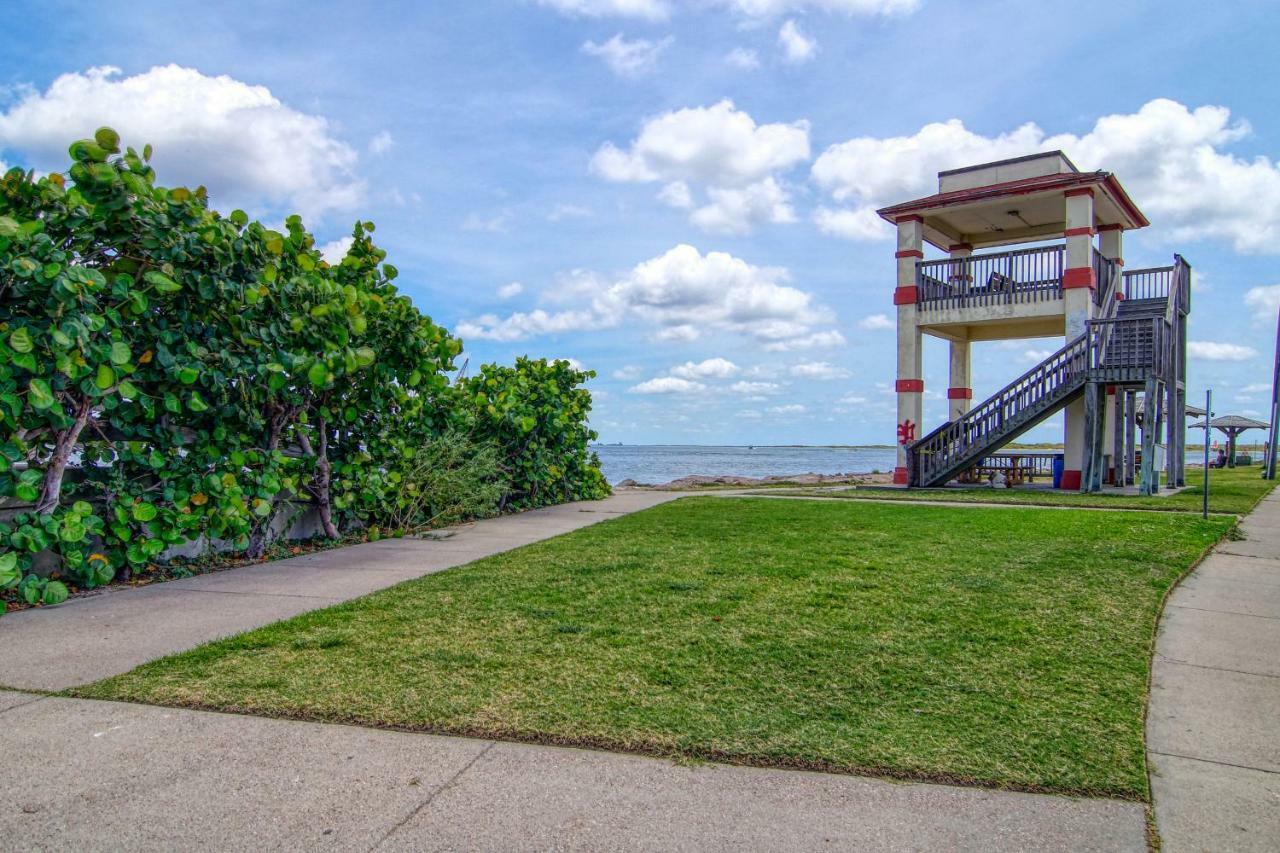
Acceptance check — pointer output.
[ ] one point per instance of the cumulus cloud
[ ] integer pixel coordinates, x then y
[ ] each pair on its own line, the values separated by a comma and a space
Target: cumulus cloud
818, 340
1215, 351
819, 370
711, 368
250, 149
335, 250
510, 290
1172, 159
1264, 300
683, 294
629, 372
741, 57
797, 48
876, 322
755, 389
628, 58
650, 10
792, 409
668, 385
721, 148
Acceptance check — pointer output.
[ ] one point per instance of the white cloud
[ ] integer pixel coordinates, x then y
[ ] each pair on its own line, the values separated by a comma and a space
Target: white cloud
1172, 159
792, 409
796, 47
628, 372
1215, 351
1256, 388
668, 385
684, 295
568, 211
628, 58
650, 10
741, 57
858, 224
381, 143
676, 194
817, 340
819, 370
755, 389
737, 211
1036, 356
495, 224
1264, 300
719, 147
335, 250
510, 290
239, 140
876, 322
776, 8
711, 368
573, 362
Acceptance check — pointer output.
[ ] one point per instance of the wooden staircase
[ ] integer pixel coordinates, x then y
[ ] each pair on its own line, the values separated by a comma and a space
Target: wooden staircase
1131, 342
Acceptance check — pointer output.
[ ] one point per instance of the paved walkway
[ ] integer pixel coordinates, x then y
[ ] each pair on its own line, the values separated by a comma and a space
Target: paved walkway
89, 775
96, 636
1213, 728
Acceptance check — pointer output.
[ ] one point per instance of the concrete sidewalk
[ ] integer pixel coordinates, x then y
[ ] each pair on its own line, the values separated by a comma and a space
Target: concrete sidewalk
90, 638
88, 775
1213, 727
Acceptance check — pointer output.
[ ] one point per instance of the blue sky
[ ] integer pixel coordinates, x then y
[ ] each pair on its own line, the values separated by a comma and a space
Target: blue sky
676, 194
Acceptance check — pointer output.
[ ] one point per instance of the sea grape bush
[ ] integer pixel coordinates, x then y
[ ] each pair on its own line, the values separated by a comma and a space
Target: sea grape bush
169, 374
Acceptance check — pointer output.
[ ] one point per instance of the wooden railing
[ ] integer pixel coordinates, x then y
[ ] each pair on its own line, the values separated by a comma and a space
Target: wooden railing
1151, 283
1003, 278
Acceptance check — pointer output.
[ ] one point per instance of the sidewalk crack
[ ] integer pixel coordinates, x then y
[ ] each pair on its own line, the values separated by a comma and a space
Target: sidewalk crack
1214, 761
449, 783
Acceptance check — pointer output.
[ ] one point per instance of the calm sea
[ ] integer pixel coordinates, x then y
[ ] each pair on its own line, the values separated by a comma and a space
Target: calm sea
666, 462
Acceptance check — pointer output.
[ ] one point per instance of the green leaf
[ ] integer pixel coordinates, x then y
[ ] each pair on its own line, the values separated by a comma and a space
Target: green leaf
10, 574
527, 424
172, 403
26, 492
143, 512
365, 356
20, 340
106, 377
107, 139
8, 227
239, 218
129, 391
318, 373
39, 394
55, 592
196, 403
188, 375
120, 353
161, 282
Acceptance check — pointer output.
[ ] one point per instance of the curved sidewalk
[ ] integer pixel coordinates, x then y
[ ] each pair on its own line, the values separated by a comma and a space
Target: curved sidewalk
1213, 726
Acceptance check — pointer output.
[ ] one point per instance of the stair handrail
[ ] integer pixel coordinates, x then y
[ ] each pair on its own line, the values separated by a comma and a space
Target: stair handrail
1005, 404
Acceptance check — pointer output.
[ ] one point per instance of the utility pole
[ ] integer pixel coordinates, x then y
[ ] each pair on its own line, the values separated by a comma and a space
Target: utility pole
1269, 470
1208, 416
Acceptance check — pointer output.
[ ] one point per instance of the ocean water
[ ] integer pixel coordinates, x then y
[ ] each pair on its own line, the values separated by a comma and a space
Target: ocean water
666, 462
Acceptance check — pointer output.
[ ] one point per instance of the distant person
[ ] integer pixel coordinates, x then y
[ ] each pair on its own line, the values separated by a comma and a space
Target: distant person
1221, 460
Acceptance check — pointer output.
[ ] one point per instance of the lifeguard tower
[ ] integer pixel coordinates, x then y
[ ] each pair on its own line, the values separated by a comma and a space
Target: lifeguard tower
1058, 271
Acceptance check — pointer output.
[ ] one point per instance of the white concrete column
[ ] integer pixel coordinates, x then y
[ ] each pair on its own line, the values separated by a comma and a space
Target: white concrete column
1078, 285
960, 386
1111, 246
910, 380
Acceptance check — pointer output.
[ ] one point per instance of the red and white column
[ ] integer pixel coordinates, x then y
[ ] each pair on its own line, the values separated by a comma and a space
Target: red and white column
1079, 282
960, 389
910, 383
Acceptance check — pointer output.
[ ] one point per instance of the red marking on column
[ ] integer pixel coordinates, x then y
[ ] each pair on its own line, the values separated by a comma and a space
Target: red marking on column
899, 476
908, 253
1079, 191
1079, 277
910, 217
1086, 231
906, 433
909, 385
1114, 226
960, 247
906, 295
959, 393
1071, 480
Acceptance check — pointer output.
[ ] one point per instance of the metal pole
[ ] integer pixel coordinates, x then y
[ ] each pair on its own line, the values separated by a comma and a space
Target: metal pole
1208, 416
1269, 471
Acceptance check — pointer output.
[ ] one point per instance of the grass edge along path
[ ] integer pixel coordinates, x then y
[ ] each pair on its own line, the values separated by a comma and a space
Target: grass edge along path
797, 634
1231, 492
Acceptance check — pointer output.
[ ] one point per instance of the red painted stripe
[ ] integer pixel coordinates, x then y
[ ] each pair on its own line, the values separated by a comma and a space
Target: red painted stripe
1079, 191
1111, 389
907, 385
1086, 231
960, 247
908, 253
959, 393
1111, 226
910, 217
1071, 480
1079, 277
906, 295
899, 476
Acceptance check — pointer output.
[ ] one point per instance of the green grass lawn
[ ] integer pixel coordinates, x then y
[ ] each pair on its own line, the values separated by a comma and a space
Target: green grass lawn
1003, 647
1233, 491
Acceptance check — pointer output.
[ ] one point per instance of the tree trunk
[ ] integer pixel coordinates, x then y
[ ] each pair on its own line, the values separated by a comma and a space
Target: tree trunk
324, 472
51, 490
258, 538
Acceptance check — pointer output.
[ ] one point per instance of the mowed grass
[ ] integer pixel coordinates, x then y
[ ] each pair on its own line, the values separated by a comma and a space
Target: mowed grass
1232, 491
1001, 647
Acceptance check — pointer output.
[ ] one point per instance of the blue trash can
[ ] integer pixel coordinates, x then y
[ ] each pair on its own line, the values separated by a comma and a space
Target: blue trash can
1059, 465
